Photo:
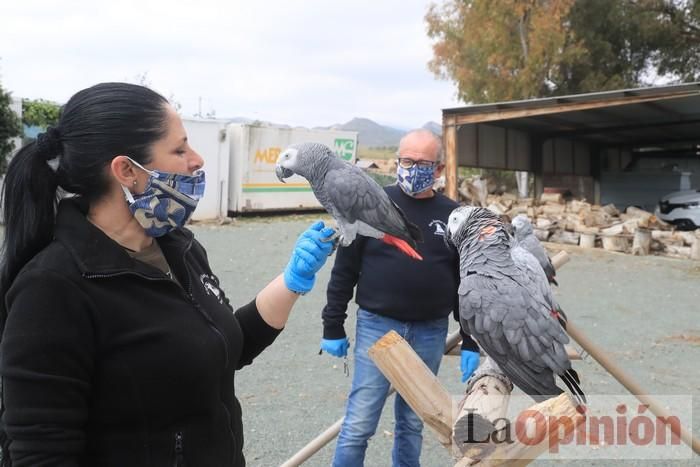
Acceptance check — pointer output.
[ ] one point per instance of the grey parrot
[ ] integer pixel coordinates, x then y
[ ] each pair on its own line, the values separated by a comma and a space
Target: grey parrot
524, 236
507, 304
356, 202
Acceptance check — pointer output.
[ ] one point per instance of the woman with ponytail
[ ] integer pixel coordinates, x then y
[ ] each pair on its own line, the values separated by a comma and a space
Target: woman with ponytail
118, 348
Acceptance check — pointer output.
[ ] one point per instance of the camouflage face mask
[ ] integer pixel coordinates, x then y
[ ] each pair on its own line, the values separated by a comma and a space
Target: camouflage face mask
168, 201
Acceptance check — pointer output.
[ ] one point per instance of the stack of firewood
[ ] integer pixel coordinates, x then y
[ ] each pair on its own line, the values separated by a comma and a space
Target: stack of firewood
578, 222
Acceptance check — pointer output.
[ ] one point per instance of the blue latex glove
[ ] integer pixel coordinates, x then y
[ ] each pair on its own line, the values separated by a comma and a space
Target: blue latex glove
336, 347
310, 254
469, 363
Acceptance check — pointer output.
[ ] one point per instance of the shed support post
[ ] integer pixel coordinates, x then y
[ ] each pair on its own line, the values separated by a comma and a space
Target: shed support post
451, 160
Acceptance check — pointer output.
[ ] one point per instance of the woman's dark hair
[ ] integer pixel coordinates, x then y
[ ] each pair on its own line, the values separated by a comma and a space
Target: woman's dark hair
95, 125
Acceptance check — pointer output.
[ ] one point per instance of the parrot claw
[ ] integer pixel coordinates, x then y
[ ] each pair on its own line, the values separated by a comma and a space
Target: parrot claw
335, 238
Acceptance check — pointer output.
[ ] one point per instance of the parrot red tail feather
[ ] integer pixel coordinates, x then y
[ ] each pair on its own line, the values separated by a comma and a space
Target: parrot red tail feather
402, 245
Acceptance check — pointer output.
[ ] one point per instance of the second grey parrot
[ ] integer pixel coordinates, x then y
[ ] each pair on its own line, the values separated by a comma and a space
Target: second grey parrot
507, 304
357, 203
525, 237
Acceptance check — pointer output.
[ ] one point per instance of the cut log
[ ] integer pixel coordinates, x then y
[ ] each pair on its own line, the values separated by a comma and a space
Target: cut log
619, 243
563, 236
616, 229
644, 216
418, 386
552, 209
560, 259
587, 240
582, 229
555, 198
688, 237
641, 245
498, 208
543, 223
610, 210
596, 219
577, 207
663, 235
695, 249
677, 251
542, 235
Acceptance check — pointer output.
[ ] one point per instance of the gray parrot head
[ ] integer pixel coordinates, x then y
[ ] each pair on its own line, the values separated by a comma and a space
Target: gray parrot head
469, 223
521, 226
302, 159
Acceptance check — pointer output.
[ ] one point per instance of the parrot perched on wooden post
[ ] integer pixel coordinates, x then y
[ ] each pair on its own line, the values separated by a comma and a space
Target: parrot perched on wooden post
506, 303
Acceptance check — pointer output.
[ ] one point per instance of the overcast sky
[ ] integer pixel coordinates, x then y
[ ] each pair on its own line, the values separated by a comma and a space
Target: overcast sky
311, 62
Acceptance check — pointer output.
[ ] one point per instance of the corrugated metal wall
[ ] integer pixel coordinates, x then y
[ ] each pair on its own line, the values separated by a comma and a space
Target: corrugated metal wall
493, 147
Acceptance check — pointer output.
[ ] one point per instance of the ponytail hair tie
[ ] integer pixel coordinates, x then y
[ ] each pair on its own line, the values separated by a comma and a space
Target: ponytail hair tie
49, 143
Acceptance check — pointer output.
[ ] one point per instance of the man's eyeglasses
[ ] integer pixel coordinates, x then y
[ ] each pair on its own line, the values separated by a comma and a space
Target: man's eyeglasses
408, 163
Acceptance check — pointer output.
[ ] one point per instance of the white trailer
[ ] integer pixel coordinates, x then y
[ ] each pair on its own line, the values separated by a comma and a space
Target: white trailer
239, 160
253, 186
209, 139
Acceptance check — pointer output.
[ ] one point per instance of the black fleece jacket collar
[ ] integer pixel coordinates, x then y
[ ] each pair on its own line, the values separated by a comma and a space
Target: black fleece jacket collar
95, 253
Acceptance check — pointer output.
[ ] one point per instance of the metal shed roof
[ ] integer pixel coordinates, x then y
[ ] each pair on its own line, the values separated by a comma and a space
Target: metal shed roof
632, 117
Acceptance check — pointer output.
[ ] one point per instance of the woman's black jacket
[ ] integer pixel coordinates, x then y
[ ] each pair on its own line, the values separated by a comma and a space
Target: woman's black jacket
106, 362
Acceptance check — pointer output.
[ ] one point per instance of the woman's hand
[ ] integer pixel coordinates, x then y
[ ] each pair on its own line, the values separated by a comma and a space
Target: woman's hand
310, 253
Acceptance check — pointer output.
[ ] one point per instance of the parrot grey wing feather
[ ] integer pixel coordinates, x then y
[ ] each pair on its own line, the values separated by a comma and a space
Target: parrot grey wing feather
533, 245
358, 197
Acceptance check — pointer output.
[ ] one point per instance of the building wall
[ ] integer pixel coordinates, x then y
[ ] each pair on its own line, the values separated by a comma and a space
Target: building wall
494, 147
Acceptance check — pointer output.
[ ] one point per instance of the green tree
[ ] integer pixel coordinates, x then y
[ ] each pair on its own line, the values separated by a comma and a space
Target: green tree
497, 50
680, 51
9, 128
40, 112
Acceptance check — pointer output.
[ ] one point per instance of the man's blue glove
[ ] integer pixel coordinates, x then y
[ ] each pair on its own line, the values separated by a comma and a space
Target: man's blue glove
336, 347
469, 362
310, 254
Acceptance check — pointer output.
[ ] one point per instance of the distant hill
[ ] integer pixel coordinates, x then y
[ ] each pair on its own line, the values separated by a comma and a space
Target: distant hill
371, 133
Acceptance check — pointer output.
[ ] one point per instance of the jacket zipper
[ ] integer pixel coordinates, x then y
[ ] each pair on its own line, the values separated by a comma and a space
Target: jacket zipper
179, 457
188, 294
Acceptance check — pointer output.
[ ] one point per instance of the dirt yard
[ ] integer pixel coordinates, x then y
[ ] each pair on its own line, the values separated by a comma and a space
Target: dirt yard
643, 310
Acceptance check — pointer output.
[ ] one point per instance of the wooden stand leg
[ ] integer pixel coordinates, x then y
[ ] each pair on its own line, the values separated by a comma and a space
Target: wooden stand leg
488, 391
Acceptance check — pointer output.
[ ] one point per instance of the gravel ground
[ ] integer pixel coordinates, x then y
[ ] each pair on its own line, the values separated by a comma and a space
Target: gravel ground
644, 310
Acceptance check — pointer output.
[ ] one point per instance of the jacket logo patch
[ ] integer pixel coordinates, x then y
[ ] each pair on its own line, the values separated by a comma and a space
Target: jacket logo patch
439, 227
211, 286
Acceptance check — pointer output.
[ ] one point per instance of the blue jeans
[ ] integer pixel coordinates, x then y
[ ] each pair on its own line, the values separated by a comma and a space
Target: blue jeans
370, 388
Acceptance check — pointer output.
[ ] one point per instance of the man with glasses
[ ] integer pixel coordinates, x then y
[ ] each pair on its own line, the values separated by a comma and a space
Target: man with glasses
395, 292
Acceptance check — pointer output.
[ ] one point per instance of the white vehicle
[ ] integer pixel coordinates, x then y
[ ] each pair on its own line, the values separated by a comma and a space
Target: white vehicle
681, 208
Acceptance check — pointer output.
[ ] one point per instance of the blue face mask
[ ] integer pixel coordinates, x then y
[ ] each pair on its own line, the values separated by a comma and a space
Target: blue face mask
167, 202
416, 179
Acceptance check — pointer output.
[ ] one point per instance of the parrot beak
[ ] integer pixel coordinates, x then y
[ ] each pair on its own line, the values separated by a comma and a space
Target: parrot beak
282, 173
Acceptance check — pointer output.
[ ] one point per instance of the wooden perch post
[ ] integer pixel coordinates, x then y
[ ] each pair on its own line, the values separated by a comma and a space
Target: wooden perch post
559, 420
422, 391
418, 386
488, 391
